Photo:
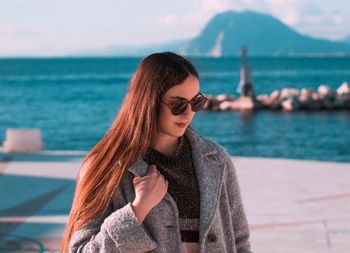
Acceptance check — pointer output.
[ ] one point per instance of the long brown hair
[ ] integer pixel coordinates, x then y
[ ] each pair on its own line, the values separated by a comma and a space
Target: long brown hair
132, 132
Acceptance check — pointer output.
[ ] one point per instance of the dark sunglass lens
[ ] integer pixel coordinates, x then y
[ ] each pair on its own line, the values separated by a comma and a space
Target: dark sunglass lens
198, 104
179, 108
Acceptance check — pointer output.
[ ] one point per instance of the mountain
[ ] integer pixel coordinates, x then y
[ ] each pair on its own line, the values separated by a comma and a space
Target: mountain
175, 46
262, 34
227, 32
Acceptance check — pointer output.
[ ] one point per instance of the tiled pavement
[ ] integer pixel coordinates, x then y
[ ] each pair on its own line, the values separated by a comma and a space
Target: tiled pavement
291, 205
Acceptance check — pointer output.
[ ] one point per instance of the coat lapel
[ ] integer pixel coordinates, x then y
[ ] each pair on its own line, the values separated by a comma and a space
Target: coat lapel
209, 169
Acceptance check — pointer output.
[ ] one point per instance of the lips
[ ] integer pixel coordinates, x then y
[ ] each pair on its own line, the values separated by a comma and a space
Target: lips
181, 124
185, 122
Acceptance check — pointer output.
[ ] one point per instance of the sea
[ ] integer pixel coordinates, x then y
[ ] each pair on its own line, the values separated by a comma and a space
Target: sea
75, 100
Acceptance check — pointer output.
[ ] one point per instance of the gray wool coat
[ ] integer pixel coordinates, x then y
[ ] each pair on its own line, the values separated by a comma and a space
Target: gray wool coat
223, 223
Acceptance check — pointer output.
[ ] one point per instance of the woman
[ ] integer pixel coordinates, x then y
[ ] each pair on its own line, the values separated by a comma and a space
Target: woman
152, 184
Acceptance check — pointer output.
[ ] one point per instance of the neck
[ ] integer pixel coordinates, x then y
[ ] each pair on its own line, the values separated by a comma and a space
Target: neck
167, 144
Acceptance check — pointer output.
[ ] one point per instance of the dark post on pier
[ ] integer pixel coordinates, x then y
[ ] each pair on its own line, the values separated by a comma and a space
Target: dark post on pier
245, 87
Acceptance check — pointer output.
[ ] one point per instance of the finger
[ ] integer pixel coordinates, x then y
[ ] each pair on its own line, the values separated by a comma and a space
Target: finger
136, 179
152, 169
157, 172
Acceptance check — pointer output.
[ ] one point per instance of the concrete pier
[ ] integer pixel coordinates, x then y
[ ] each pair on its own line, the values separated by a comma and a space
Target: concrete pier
291, 205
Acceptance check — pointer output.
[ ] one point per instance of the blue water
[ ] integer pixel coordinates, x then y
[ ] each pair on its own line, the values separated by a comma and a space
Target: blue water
74, 101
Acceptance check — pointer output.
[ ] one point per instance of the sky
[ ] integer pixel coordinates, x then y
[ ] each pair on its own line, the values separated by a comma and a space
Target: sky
59, 27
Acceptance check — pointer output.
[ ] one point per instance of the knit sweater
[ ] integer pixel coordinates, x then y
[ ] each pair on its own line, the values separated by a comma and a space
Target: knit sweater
178, 169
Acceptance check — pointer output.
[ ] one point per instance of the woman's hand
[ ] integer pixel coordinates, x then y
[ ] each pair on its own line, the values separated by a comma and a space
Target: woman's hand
149, 191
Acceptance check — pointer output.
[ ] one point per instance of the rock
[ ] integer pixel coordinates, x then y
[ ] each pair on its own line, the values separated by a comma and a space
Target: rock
341, 102
212, 104
327, 96
288, 92
275, 94
315, 97
325, 91
306, 92
263, 98
290, 104
275, 102
344, 89
243, 103
267, 101
275, 106
305, 101
222, 97
225, 105
305, 98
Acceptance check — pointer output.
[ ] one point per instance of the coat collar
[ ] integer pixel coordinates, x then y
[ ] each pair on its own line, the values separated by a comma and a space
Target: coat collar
200, 147
209, 167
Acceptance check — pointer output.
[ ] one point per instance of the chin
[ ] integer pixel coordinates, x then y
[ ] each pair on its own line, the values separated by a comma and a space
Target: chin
175, 131
178, 132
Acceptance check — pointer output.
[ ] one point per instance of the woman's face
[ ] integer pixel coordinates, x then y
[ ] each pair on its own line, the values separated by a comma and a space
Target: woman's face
188, 89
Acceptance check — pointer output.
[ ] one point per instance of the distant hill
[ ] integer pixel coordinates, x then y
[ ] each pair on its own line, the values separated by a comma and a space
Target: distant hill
261, 34
175, 46
227, 32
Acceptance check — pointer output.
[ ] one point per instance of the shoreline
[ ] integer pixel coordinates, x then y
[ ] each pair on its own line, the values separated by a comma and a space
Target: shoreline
4, 156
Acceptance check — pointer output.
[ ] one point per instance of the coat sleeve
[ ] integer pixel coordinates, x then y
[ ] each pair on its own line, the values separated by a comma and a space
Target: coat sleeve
116, 230
240, 223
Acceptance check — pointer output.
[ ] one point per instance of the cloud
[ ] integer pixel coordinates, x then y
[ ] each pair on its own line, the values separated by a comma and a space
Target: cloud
308, 18
293, 11
7, 30
169, 20
202, 11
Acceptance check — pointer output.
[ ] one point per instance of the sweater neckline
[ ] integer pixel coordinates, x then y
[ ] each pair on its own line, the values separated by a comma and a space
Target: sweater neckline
181, 157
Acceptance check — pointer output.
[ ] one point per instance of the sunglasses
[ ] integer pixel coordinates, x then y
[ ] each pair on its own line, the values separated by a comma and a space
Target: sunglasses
179, 107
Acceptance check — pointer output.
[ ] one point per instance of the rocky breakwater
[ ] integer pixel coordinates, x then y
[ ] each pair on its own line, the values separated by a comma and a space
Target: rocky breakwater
287, 99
